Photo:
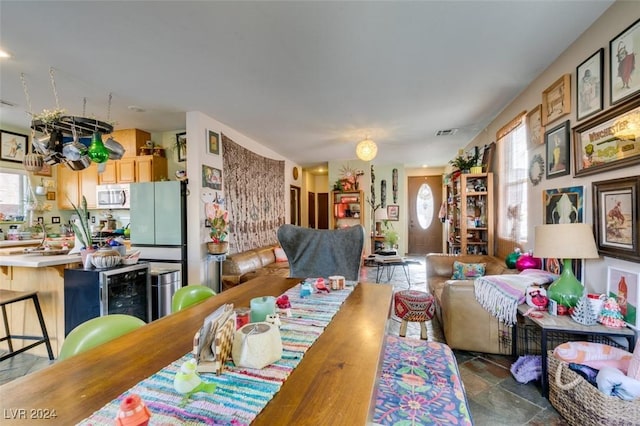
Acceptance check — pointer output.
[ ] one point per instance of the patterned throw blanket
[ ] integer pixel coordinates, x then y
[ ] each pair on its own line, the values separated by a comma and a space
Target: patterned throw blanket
500, 295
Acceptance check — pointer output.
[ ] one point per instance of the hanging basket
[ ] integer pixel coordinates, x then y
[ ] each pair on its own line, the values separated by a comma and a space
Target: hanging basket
218, 248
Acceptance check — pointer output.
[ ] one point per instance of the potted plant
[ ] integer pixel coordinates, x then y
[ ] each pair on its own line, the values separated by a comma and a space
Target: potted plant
81, 228
219, 220
391, 236
464, 162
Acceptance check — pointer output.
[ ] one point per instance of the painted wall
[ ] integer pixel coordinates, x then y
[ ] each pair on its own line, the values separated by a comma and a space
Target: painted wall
617, 18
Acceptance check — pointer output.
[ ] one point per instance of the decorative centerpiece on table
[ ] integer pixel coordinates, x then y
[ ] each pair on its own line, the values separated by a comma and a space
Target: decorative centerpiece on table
219, 220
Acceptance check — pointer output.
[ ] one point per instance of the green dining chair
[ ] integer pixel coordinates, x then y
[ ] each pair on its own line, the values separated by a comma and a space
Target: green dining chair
190, 295
97, 331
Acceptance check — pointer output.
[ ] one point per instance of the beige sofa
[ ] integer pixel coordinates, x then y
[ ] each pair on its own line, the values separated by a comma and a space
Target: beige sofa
466, 324
241, 267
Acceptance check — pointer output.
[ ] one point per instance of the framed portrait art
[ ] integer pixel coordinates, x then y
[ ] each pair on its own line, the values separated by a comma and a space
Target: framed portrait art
557, 148
589, 88
214, 142
13, 146
616, 217
624, 50
535, 130
608, 141
623, 286
393, 212
556, 100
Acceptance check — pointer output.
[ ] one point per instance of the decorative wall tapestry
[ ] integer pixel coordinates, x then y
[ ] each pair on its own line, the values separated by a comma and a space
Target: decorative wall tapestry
255, 196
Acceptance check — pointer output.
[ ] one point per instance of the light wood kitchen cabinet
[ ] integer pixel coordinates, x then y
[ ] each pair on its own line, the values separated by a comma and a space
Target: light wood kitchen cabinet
118, 171
72, 185
151, 168
130, 139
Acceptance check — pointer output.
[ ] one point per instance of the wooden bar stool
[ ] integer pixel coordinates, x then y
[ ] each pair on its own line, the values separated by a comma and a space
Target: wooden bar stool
6, 298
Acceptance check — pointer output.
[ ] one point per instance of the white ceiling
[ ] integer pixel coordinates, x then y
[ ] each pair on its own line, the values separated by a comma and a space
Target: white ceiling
307, 79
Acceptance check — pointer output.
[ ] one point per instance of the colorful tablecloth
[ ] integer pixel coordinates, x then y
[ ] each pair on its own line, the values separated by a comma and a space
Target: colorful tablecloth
240, 393
420, 385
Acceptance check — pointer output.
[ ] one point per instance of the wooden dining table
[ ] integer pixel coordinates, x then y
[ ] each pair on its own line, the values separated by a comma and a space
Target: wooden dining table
333, 384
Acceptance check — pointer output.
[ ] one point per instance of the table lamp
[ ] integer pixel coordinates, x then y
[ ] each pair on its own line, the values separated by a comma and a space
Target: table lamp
380, 216
565, 241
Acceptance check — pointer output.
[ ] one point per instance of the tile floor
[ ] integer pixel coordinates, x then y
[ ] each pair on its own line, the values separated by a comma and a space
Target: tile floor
495, 398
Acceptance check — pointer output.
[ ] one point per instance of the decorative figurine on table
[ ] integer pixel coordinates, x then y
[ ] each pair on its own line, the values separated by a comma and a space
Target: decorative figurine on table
133, 412
188, 382
284, 304
321, 286
610, 315
305, 289
274, 319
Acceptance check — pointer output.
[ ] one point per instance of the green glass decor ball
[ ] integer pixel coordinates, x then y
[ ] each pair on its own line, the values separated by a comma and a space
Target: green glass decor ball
512, 258
97, 152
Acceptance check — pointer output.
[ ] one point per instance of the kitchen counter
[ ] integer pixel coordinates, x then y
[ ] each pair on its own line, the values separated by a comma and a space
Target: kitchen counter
38, 261
17, 243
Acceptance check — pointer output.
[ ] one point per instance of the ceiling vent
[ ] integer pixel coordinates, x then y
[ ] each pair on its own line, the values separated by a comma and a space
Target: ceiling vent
447, 132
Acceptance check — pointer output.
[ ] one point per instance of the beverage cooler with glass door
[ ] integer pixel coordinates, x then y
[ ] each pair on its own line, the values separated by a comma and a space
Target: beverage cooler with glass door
90, 293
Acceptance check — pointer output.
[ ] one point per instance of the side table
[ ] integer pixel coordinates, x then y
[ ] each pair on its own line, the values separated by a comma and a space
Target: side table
551, 325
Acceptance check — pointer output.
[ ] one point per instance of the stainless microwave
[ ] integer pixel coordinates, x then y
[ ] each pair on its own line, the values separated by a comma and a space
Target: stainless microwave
113, 196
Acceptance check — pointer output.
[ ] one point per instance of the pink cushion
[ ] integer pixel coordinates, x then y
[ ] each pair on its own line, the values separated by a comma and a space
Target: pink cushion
634, 364
280, 255
594, 355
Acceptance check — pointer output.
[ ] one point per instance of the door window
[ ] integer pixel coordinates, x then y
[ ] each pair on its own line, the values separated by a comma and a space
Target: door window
424, 206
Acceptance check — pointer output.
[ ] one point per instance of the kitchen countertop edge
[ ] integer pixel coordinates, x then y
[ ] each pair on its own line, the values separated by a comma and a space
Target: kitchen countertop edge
38, 261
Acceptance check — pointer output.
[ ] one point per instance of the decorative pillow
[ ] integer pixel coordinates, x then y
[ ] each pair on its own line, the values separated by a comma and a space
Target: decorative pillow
280, 254
540, 276
595, 355
634, 365
463, 271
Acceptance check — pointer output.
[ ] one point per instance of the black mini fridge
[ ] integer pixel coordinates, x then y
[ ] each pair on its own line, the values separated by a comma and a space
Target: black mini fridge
90, 293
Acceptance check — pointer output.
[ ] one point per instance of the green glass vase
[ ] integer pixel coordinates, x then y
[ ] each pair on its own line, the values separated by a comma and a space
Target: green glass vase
97, 152
566, 290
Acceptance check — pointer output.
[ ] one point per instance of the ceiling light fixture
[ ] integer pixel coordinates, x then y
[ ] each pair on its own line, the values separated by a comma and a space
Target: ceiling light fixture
366, 149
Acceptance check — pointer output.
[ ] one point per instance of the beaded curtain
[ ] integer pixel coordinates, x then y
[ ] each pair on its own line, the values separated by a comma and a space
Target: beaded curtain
254, 188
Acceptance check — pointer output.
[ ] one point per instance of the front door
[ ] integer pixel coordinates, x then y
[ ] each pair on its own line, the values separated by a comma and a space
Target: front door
425, 229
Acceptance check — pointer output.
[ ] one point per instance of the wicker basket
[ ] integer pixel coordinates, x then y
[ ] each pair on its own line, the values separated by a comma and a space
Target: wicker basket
582, 404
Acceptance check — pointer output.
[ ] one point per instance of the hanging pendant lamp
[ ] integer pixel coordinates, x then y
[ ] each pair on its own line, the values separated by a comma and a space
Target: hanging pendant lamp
366, 150
97, 152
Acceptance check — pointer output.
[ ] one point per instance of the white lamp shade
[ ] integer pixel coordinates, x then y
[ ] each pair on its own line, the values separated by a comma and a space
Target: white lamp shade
366, 150
565, 241
381, 214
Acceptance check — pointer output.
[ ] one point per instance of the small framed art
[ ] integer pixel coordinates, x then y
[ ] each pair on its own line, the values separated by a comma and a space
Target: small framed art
535, 131
393, 212
211, 178
558, 151
623, 51
181, 146
589, 85
214, 142
13, 146
623, 286
556, 100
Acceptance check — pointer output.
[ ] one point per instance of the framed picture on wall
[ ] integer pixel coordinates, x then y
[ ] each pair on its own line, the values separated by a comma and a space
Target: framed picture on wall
535, 130
181, 146
563, 205
556, 100
589, 87
214, 142
557, 147
623, 286
616, 218
211, 178
13, 146
624, 51
393, 212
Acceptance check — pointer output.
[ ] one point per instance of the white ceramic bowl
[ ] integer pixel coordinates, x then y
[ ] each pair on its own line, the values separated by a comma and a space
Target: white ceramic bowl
108, 259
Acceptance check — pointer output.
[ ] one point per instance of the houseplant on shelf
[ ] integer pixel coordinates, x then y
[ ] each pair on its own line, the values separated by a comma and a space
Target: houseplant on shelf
391, 236
464, 162
219, 220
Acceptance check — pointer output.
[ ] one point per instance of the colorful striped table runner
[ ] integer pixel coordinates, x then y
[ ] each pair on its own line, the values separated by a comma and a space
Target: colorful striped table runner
240, 393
